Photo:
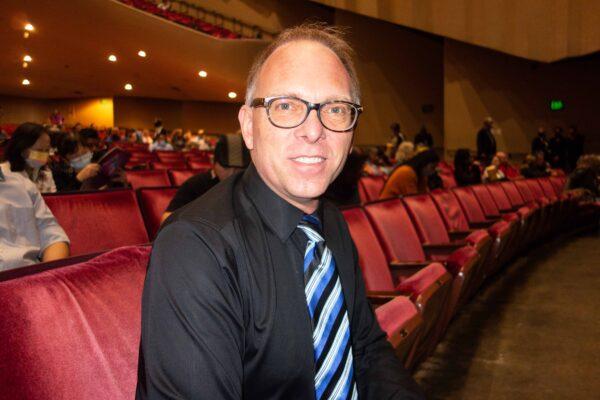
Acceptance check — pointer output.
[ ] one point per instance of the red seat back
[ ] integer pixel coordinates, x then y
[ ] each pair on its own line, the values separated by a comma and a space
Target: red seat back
195, 164
536, 189
558, 183
450, 210
372, 186
513, 193
499, 196
395, 230
448, 180
470, 204
148, 178
548, 188
179, 176
153, 203
371, 258
170, 156
486, 200
73, 332
427, 219
169, 165
524, 190
99, 221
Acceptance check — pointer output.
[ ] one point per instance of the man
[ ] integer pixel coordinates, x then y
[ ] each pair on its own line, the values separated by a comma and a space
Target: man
396, 140
226, 313
231, 156
424, 138
540, 142
486, 142
558, 149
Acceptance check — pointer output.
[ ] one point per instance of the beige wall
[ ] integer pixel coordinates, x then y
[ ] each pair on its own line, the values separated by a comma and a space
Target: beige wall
516, 93
399, 71
86, 111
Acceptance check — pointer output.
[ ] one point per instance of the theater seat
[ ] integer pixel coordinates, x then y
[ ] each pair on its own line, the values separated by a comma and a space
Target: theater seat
170, 165
147, 178
370, 187
99, 221
384, 280
73, 333
179, 176
518, 201
153, 203
199, 164
170, 156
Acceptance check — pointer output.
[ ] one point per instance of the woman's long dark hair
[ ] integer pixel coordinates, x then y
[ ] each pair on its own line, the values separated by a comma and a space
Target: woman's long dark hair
22, 138
421, 160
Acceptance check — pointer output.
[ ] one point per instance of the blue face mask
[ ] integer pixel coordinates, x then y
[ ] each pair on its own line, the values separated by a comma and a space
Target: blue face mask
79, 163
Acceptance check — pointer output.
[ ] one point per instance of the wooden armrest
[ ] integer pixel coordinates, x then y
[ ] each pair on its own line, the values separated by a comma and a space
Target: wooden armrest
460, 235
482, 225
382, 297
406, 268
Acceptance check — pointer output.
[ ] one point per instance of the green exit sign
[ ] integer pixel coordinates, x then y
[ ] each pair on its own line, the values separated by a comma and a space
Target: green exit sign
556, 105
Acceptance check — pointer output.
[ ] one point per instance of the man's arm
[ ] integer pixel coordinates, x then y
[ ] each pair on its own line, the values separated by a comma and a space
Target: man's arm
379, 373
192, 322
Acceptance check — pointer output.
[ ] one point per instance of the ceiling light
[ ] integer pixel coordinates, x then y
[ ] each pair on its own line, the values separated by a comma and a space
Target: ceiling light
142, 53
202, 74
27, 58
128, 86
25, 82
29, 27
112, 58
25, 34
232, 95
25, 65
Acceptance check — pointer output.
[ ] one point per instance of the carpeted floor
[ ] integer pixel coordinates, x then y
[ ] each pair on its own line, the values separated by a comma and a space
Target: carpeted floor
534, 333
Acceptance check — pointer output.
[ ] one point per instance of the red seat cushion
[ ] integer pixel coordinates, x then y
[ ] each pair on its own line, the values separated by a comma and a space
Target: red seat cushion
154, 202
371, 186
147, 178
98, 221
371, 258
393, 315
73, 333
422, 280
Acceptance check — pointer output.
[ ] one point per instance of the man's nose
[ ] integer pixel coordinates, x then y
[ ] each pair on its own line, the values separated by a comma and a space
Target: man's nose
311, 129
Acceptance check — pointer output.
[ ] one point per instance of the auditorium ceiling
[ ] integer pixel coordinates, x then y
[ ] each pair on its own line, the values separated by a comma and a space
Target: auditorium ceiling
546, 31
71, 43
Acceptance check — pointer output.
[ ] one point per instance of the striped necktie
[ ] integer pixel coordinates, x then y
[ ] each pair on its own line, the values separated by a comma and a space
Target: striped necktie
334, 378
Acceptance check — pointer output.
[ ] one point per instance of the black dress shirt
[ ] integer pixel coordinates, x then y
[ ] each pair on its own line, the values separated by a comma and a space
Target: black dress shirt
192, 188
224, 314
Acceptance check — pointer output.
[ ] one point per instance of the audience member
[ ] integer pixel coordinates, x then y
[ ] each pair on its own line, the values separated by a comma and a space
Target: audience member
493, 173
540, 143
405, 152
160, 143
466, 172
412, 176
29, 232
343, 191
557, 147
164, 5
177, 140
90, 139
158, 128
57, 119
395, 141
574, 147
27, 153
535, 166
147, 137
375, 163
509, 170
586, 176
424, 138
231, 155
486, 142
74, 169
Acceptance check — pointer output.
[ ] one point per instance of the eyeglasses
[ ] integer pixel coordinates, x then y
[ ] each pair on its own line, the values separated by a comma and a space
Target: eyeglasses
289, 112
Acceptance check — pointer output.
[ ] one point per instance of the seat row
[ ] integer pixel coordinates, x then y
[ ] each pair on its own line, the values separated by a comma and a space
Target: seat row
161, 177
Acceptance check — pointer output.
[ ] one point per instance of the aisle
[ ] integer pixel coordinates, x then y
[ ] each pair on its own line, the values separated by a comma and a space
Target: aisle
533, 334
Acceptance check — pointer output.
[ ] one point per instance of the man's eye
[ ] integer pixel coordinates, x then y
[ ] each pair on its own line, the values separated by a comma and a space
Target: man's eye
284, 107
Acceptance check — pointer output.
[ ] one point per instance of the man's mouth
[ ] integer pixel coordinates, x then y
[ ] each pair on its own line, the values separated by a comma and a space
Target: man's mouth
309, 160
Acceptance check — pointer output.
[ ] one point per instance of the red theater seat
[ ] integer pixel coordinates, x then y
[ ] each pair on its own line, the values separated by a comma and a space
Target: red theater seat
99, 221
169, 165
153, 203
170, 156
73, 333
448, 180
370, 187
179, 176
199, 164
147, 178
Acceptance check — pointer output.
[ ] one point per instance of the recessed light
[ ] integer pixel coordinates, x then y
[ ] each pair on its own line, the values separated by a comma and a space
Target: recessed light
142, 53
27, 58
29, 27
25, 65
112, 58
202, 74
25, 82
232, 95
128, 86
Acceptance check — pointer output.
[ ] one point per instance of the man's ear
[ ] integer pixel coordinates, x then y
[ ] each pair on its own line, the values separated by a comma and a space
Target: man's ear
245, 118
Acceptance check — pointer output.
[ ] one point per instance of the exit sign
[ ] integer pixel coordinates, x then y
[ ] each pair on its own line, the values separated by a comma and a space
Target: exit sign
556, 105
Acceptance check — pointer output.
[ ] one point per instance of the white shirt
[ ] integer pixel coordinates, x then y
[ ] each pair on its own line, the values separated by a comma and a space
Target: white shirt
27, 226
42, 178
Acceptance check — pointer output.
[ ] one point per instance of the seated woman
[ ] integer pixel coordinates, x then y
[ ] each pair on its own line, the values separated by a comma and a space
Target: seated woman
509, 170
412, 176
27, 153
466, 172
74, 169
493, 173
29, 232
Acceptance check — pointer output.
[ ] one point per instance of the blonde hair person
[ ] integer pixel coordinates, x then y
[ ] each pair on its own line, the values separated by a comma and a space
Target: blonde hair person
405, 152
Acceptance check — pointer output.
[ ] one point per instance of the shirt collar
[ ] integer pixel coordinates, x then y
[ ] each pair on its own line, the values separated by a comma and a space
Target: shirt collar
279, 215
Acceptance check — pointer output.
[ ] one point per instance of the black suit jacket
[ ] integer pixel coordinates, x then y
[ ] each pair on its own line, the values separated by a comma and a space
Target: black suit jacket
486, 144
222, 319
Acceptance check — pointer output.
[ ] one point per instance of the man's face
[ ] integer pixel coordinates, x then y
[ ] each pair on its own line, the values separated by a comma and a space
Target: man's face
299, 163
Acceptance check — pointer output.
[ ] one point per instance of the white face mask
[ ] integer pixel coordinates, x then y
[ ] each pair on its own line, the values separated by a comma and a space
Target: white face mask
37, 159
79, 163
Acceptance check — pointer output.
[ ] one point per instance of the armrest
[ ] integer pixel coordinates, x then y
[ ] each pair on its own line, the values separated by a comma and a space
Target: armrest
460, 235
442, 249
406, 268
481, 225
382, 297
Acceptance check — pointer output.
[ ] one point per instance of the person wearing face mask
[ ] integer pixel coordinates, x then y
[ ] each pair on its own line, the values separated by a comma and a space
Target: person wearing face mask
27, 153
74, 169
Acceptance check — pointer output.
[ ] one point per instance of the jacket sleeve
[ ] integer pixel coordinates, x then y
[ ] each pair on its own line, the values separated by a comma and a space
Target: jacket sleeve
192, 320
379, 374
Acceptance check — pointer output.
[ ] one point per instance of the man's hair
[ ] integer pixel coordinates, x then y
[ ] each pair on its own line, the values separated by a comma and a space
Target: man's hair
329, 36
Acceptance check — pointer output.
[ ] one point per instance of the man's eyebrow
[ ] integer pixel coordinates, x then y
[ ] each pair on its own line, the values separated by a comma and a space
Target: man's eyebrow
294, 94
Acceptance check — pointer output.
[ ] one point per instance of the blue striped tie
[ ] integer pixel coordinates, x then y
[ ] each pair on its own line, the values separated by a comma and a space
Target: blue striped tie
334, 377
